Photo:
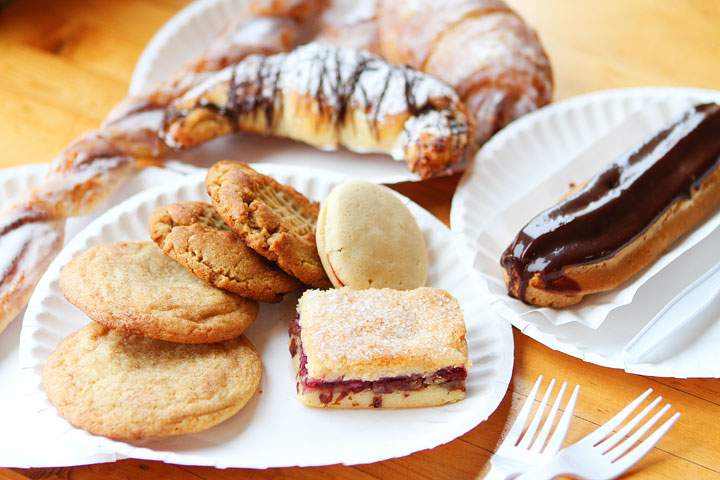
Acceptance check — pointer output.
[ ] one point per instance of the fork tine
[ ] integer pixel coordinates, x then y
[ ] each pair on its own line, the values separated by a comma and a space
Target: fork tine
517, 428
545, 431
602, 432
641, 450
615, 453
622, 433
558, 436
530, 433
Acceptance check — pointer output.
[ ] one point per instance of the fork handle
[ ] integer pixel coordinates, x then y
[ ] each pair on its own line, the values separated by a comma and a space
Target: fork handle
545, 472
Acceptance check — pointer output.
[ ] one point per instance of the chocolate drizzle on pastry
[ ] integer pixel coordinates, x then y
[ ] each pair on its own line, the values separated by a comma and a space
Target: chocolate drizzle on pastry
616, 206
334, 91
334, 77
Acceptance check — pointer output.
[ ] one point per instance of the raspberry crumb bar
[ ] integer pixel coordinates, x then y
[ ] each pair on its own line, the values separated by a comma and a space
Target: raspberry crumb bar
379, 348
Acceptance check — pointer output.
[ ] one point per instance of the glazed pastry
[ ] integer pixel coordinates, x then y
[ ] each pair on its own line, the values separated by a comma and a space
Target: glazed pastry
264, 27
505, 74
91, 168
623, 218
379, 348
327, 97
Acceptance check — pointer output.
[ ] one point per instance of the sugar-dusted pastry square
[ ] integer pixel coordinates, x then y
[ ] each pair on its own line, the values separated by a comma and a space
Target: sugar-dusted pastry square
379, 348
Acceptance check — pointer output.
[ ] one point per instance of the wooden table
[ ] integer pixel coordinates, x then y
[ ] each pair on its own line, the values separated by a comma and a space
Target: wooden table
64, 64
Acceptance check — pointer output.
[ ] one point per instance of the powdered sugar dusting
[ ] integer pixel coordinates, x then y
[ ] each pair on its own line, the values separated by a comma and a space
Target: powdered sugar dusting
376, 333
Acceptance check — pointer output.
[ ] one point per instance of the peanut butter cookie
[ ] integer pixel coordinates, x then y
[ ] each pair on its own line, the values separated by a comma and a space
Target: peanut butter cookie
195, 236
275, 220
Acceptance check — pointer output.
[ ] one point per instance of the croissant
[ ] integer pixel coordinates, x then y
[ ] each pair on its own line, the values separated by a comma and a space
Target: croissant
481, 48
90, 169
328, 96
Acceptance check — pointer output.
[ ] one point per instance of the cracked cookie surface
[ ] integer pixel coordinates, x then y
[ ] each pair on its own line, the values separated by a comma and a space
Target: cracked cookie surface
275, 220
128, 387
135, 288
194, 235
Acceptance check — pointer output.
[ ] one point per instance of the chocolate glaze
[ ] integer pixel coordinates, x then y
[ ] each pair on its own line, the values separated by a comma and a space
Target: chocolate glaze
617, 205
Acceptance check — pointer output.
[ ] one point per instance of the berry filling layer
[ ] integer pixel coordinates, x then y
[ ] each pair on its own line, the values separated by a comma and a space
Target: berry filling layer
449, 378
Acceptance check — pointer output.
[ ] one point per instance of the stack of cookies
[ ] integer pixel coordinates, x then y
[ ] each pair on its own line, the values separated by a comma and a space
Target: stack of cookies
165, 353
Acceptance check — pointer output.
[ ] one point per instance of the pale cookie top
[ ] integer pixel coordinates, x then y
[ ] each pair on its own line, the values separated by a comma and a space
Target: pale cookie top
130, 388
367, 238
134, 287
370, 334
194, 235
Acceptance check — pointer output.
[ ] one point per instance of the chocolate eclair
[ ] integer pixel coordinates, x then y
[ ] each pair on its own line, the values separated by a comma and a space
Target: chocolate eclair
623, 218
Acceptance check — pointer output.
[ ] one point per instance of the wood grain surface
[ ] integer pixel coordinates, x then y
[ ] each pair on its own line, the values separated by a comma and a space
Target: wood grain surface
65, 63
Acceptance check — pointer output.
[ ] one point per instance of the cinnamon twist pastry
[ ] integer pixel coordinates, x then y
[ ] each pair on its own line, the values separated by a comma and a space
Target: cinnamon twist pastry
91, 168
327, 96
32, 228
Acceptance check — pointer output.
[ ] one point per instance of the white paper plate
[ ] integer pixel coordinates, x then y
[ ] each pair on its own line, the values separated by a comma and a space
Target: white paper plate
274, 429
184, 37
522, 156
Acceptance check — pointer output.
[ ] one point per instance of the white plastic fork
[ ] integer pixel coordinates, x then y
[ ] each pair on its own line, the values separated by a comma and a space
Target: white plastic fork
516, 455
596, 457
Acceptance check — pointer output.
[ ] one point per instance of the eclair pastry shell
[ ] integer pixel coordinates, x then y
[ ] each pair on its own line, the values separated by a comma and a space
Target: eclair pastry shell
609, 273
